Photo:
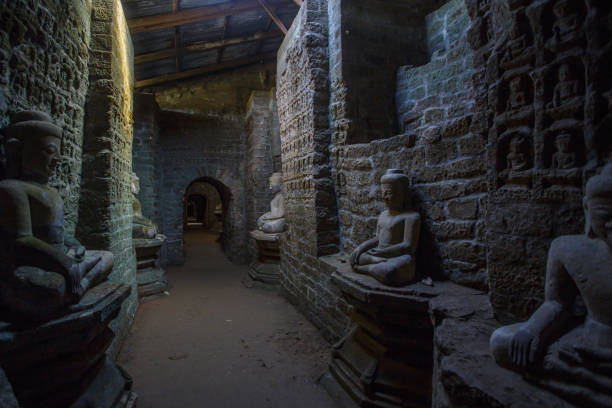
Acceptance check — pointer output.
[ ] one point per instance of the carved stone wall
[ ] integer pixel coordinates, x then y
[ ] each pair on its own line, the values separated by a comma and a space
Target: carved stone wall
146, 155
43, 65
303, 100
105, 214
543, 65
193, 146
260, 158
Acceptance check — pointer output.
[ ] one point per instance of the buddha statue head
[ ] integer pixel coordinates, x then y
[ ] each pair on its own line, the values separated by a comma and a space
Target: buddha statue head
598, 206
135, 184
33, 146
276, 182
395, 190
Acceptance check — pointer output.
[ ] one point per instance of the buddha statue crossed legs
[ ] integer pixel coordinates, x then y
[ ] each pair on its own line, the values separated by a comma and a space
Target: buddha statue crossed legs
390, 256
43, 268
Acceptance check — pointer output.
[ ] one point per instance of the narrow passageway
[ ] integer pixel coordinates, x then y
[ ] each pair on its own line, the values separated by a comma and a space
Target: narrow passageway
214, 342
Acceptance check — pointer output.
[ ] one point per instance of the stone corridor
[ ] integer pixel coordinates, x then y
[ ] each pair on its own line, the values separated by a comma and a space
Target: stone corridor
219, 341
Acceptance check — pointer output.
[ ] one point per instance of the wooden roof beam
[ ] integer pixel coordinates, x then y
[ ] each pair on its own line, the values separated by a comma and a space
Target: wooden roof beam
273, 16
193, 15
203, 46
205, 70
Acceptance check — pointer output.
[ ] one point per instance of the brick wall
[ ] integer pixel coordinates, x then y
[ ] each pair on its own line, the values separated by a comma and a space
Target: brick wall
43, 65
211, 146
445, 26
105, 219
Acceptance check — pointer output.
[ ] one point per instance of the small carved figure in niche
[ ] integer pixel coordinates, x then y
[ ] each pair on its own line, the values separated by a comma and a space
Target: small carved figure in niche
565, 26
577, 265
567, 88
43, 268
517, 98
563, 157
274, 220
516, 44
390, 256
518, 156
142, 227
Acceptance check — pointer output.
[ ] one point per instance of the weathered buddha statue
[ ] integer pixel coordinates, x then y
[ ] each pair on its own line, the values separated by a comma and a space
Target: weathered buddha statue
517, 98
566, 24
390, 256
563, 158
567, 88
517, 157
43, 269
274, 220
578, 265
142, 227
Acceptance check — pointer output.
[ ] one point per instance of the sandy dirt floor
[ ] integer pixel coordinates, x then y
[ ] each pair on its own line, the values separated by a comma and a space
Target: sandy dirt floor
215, 342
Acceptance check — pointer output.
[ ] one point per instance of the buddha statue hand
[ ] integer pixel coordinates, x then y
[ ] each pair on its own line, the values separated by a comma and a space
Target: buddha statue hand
77, 252
523, 348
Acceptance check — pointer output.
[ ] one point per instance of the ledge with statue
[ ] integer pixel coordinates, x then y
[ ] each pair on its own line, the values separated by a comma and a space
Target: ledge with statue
419, 345
55, 301
270, 228
386, 360
562, 355
150, 276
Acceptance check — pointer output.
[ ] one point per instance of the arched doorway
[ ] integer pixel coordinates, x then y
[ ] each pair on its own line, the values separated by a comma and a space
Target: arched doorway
205, 208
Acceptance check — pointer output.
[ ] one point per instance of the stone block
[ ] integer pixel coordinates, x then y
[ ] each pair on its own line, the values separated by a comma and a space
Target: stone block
466, 209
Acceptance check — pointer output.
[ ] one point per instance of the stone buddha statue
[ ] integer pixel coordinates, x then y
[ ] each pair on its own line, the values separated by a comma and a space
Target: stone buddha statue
567, 88
142, 227
578, 265
44, 269
390, 256
273, 221
517, 158
563, 158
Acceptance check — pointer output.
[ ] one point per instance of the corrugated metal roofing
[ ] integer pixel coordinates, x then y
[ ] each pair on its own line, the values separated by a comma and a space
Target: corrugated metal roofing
215, 29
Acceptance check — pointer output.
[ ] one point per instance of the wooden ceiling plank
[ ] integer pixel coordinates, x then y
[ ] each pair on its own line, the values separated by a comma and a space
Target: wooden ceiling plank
204, 70
221, 49
203, 46
273, 16
193, 15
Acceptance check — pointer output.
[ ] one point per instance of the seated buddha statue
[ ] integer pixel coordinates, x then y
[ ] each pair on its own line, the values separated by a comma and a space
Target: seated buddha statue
390, 256
578, 265
43, 269
273, 221
142, 227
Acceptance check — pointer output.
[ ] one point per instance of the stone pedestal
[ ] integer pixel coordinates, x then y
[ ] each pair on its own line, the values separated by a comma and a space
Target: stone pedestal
387, 359
151, 278
62, 363
466, 373
266, 269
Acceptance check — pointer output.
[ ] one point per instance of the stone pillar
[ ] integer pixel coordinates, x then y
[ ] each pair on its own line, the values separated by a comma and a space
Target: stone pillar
312, 219
145, 154
260, 160
105, 220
